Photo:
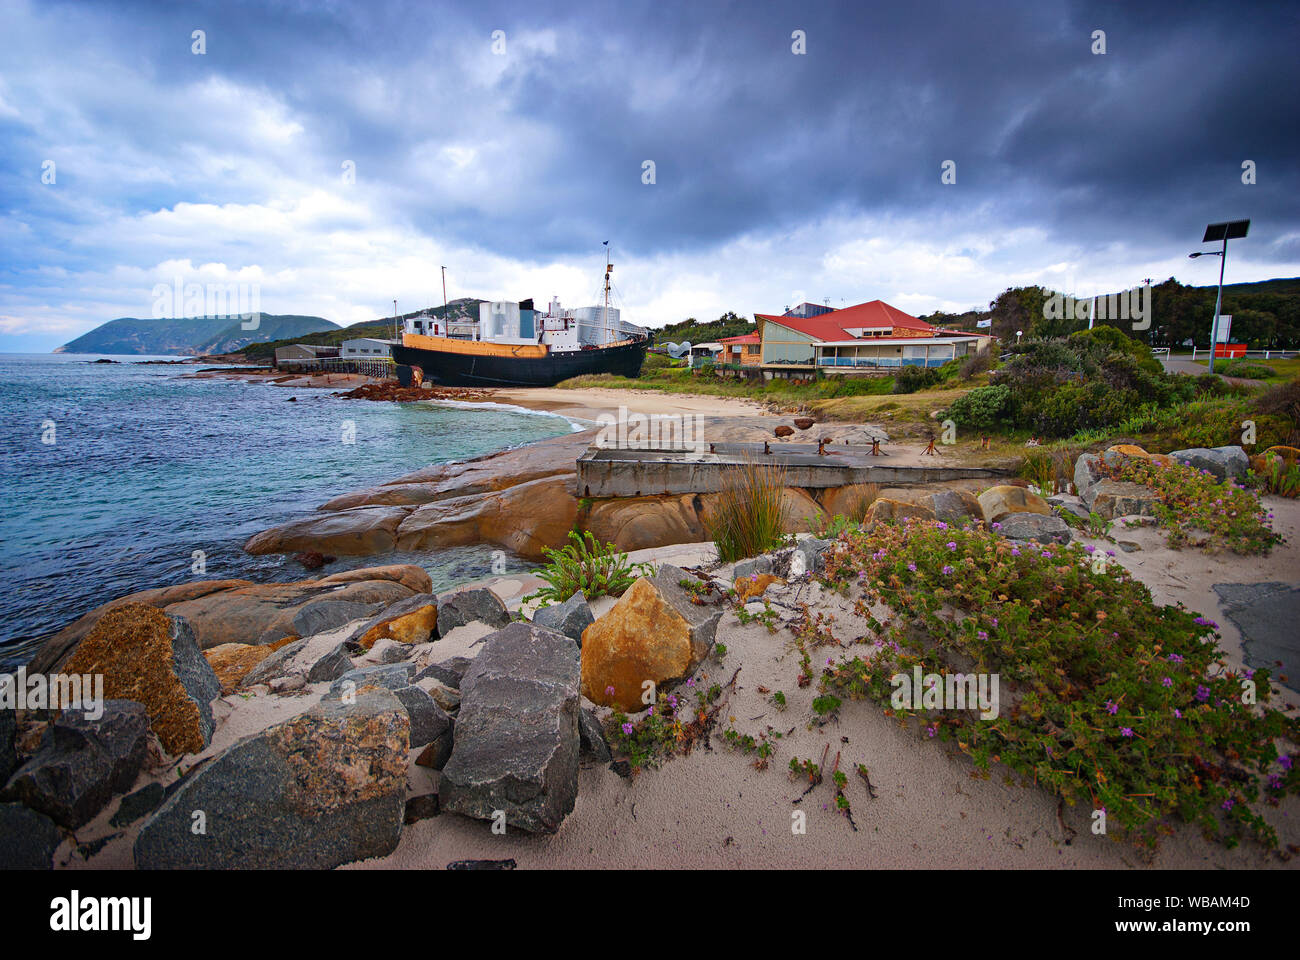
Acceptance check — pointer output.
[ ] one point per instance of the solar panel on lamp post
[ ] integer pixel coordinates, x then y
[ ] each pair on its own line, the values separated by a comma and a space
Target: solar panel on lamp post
1229, 230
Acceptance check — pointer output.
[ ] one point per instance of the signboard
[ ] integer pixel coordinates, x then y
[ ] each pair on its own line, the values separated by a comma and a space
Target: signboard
983, 323
1229, 349
1225, 324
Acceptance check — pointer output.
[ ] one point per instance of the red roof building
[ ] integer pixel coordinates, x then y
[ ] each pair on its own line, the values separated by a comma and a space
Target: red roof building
869, 337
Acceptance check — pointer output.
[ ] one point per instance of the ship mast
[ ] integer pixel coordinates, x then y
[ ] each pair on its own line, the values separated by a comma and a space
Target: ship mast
608, 267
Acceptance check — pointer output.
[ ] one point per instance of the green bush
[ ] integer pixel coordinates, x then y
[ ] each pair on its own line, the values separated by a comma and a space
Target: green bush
1247, 370
983, 408
912, 379
585, 564
1090, 380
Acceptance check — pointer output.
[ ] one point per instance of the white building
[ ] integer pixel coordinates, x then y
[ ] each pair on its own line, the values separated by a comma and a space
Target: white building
367, 348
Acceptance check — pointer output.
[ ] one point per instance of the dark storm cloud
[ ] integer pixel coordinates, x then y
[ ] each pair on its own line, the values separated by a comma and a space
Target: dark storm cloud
537, 155
748, 137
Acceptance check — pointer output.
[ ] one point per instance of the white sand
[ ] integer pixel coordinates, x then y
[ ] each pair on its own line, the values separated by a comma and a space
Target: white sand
588, 404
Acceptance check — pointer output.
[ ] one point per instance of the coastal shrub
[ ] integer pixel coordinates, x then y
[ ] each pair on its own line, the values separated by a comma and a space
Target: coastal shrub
748, 515
1104, 697
1056, 388
1282, 402
975, 365
1192, 500
981, 409
585, 564
1247, 370
838, 386
912, 379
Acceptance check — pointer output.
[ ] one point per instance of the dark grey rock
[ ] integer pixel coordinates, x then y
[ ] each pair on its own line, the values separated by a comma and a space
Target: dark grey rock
27, 839
136, 805
273, 665
1062, 505
1224, 462
703, 620
592, 737
569, 618
428, 720
482, 864
321, 615
754, 566
195, 674
813, 553
1087, 471
81, 764
448, 672
421, 808
393, 676
393, 651
467, 606
438, 752
1035, 526
279, 799
331, 666
517, 744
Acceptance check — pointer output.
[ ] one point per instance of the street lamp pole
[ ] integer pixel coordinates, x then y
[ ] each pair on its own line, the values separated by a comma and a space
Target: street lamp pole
1231, 230
1218, 302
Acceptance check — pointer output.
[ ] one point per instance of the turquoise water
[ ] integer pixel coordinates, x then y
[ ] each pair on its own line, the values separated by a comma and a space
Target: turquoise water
147, 467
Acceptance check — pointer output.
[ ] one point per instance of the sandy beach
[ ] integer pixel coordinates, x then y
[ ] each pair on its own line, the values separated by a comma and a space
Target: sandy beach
590, 403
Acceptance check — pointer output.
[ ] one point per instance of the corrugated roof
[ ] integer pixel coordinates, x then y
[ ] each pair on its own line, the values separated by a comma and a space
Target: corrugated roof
744, 338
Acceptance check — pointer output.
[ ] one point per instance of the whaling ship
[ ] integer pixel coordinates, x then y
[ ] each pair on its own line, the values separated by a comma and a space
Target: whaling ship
514, 345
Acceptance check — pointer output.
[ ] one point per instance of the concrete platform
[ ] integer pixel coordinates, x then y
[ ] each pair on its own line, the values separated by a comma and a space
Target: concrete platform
635, 473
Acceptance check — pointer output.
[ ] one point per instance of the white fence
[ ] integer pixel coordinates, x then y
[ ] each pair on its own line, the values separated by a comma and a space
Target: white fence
1261, 354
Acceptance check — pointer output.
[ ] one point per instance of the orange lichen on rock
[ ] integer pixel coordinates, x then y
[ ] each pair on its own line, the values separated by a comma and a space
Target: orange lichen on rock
131, 646
417, 626
750, 587
231, 662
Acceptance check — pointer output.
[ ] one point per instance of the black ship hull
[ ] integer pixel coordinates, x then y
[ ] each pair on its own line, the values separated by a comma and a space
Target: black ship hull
468, 370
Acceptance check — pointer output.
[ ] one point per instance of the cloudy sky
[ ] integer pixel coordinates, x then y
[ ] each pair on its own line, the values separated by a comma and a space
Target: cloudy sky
337, 154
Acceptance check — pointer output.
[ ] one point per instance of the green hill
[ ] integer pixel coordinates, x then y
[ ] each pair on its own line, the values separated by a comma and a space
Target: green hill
190, 335
727, 325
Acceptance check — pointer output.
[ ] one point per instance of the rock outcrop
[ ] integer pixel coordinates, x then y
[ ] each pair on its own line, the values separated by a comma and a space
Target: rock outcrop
517, 742
152, 658
237, 611
357, 532
82, 764
322, 789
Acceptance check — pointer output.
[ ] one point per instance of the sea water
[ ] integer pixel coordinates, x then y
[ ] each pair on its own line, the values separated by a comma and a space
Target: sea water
112, 476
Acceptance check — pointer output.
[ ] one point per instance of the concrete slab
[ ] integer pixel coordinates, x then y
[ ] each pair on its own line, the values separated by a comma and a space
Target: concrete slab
1266, 614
